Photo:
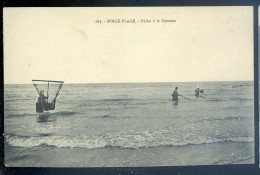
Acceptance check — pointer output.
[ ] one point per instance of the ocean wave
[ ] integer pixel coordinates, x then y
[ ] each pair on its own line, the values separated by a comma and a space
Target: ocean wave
114, 116
107, 116
20, 115
214, 99
130, 102
17, 136
231, 107
45, 135
9, 100
132, 141
240, 99
242, 85
87, 104
227, 118
235, 118
44, 114
56, 141
119, 99
17, 99
64, 113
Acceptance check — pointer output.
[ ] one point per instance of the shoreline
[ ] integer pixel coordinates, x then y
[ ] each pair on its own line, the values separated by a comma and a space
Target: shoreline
205, 154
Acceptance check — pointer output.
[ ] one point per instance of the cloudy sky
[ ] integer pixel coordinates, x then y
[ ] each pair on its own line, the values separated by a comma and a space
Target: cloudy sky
204, 44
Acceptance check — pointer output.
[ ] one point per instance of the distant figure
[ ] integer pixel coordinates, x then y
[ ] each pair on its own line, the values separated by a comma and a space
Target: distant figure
42, 104
175, 95
197, 92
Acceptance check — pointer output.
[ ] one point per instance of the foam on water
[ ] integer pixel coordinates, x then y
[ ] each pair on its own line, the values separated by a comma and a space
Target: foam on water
127, 140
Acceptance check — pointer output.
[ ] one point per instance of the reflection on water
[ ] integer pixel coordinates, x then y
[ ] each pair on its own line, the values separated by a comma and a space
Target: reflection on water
46, 117
175, 103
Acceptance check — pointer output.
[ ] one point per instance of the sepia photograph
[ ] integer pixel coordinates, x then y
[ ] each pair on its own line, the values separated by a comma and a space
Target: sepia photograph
128, 86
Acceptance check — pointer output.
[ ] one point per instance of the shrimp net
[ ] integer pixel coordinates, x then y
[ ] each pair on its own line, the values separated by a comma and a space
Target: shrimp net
50, 89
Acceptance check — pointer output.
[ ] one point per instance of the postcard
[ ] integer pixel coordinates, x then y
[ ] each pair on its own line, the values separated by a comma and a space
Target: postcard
128, 86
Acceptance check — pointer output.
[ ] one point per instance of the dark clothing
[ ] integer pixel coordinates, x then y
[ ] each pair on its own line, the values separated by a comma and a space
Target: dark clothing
197, 92
42, 99
50, 106
175, 96
39, 107
43, 105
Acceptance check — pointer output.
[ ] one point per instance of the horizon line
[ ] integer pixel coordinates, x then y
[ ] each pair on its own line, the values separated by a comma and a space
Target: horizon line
139, 82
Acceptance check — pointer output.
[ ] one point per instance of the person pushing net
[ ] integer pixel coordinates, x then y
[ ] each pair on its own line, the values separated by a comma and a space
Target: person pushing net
43, 102
46, 103
175, 95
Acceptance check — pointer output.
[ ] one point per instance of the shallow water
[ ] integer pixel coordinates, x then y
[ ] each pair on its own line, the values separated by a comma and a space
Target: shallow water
131, 124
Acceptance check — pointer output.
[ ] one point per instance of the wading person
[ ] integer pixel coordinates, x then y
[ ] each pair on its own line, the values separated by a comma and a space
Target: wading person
197, 92
42, 98
43, 104
175, 95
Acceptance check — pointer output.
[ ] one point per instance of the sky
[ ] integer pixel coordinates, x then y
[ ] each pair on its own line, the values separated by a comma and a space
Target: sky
66, 44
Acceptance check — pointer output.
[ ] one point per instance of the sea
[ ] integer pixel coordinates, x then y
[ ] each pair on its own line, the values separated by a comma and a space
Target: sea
131, 125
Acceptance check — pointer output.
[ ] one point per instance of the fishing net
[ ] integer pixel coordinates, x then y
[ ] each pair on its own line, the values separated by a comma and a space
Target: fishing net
51, 89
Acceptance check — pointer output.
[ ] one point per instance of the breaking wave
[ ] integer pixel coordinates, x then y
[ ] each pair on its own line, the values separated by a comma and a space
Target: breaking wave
127, 141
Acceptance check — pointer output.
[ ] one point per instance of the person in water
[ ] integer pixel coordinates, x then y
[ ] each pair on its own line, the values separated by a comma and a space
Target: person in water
197, 92
42, 99
175, 95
